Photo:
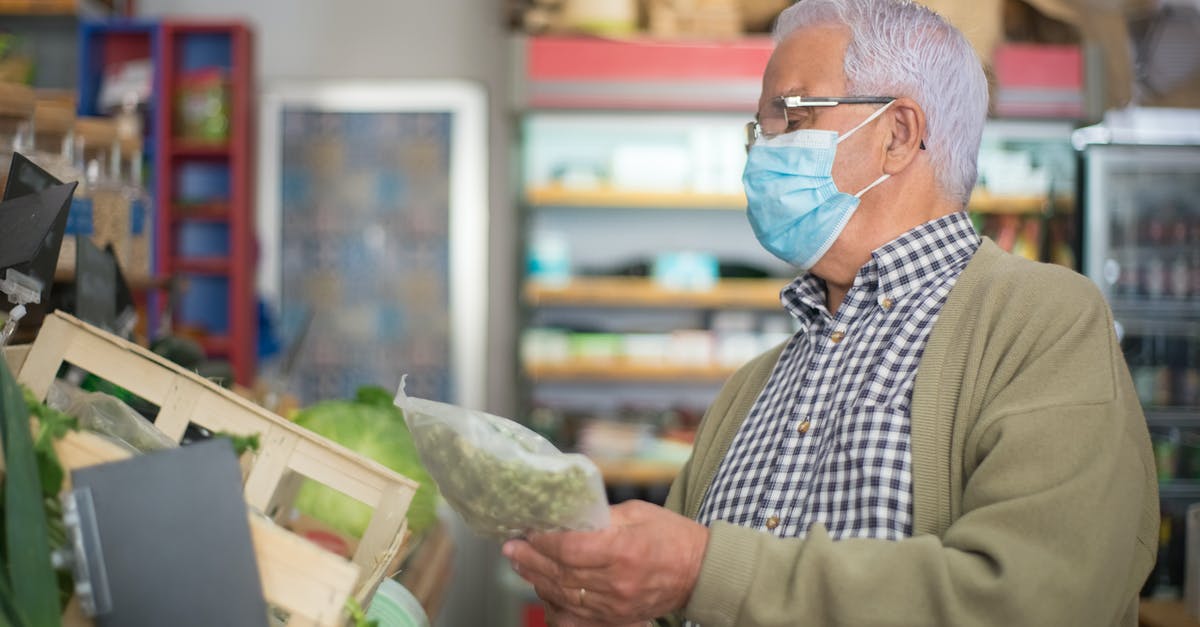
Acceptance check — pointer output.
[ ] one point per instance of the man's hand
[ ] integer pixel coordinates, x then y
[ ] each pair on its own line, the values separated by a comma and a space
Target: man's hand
644, 565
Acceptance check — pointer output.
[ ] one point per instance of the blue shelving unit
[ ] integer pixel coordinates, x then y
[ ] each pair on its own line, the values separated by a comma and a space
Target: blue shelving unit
102, 44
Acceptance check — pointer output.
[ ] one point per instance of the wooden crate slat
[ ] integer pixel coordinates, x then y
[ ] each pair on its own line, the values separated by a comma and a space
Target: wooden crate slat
178, 407
15, 356
46, 355
270, 465
286, 449
386, 526
311, 583
376, 567
345, 472
221, 412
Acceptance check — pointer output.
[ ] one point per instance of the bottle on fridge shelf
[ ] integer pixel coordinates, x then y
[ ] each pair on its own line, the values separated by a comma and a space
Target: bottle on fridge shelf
1188, 384
1144, 367
1180, 275
1162, 371
1154, 271
1194, 259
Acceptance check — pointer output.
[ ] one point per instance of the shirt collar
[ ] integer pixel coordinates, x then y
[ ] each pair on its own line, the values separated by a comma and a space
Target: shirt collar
896, 269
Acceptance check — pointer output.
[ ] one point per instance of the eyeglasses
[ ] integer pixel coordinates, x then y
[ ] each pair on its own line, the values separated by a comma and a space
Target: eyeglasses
785, 112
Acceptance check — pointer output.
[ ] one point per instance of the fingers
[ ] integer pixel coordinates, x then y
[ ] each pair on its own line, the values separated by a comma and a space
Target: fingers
577, 549
527, 559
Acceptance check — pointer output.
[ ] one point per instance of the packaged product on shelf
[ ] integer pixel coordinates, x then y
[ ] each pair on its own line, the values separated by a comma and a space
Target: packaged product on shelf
202, 106
101, 210
136, 263
16, 124
54, 139
504, 479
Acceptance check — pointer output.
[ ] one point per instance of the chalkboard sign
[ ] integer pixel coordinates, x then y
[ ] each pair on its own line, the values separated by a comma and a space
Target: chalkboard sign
95, 285
25, 177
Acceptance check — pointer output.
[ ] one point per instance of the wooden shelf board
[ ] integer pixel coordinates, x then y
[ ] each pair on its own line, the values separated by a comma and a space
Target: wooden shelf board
555, 196
636, 472
83, 8
136, 283
1164, 613
984, 202
617, 370
644, 292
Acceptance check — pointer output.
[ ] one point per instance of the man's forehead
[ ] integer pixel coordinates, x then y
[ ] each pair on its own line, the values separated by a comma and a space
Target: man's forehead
807, 61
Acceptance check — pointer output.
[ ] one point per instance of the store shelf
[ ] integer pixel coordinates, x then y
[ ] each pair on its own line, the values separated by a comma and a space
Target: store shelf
555, 196
984, 202
1173, 416
1180, 489
644, 292
583, 371
196, 169
82, 8
1165, 613
1156, 309
136, 283
636, 472
564, 72
209, 266
190, 149
202, 212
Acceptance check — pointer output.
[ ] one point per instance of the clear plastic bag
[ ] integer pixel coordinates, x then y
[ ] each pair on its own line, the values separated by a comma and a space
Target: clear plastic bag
503, 479
107, 415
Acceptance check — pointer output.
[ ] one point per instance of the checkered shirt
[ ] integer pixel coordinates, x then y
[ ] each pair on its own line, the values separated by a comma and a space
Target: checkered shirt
828, 439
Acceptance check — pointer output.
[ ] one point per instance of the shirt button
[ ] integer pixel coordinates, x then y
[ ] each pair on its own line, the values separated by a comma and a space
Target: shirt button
837, 337
803, 427
886, 303
772, 522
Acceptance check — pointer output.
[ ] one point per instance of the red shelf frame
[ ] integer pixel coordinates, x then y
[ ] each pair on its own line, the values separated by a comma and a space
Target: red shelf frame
203, 265
240, 344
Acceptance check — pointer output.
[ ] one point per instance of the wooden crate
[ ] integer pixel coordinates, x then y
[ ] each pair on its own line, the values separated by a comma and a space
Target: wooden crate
308, 582
287, 453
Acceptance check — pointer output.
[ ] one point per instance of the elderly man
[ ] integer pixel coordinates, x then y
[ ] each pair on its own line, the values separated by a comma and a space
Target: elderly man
951, 438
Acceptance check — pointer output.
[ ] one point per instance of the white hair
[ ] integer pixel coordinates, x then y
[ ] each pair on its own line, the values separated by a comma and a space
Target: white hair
900, 48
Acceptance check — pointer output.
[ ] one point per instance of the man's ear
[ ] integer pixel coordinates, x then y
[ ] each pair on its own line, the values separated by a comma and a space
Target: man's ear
906, 140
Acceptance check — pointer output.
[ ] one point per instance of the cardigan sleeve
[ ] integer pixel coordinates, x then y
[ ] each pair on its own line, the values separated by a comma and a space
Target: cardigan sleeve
1058, 499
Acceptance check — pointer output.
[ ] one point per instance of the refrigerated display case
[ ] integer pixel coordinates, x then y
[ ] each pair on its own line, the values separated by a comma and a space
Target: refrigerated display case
1141, 224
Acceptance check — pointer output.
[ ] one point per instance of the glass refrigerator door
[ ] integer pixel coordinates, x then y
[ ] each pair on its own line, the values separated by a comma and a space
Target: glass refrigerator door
1142, 247
1143, 232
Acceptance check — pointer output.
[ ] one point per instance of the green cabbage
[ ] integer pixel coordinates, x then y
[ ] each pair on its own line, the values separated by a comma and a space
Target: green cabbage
373, 427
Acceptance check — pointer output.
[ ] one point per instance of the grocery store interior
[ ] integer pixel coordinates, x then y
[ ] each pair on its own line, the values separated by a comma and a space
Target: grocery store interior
532, 208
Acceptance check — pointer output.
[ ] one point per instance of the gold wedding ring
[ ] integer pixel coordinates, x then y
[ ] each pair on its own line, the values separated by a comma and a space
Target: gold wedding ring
582, 594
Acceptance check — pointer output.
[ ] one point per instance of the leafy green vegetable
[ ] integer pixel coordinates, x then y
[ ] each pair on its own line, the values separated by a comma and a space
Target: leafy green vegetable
241, 443
358, 616
27, 548
504, 498
373, 427
52, 426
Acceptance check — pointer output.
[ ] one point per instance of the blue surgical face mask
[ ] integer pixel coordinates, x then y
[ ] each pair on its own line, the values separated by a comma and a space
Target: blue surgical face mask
795, 209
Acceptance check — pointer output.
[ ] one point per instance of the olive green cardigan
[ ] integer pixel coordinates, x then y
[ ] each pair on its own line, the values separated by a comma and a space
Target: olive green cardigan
1034, 493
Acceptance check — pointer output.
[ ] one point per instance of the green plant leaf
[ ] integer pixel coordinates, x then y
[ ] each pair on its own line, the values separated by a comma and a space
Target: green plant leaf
30, 575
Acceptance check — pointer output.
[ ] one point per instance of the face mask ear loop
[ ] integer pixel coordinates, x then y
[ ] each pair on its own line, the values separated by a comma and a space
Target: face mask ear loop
872, 185
870, 118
